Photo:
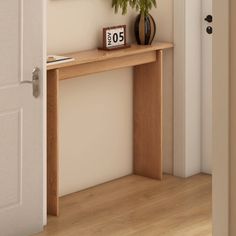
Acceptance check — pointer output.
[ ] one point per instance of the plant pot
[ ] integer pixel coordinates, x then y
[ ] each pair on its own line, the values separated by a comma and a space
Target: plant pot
144, 29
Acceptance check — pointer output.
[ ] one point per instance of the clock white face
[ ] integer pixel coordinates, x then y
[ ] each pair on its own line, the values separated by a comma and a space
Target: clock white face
115, 37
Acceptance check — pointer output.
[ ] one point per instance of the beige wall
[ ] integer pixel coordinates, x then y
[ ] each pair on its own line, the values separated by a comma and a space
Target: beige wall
96, 111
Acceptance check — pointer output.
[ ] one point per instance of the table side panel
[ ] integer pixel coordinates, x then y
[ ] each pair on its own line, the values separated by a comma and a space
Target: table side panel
148, 119
52, 143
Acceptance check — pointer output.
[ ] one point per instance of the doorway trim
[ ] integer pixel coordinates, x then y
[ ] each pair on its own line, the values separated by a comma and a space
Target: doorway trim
187, 87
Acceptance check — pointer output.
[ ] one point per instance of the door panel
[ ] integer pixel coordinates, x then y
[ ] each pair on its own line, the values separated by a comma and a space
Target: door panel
21, 117
10, 25
11, 161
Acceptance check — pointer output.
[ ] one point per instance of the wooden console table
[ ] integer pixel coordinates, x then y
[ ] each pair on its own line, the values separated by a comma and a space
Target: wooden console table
147, 62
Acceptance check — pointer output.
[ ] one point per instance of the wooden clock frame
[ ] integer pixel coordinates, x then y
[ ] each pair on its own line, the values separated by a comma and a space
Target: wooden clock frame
125, 45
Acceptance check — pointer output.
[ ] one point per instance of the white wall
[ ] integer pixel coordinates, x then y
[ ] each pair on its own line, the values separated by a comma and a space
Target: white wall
193, 86
96, 111
187, 87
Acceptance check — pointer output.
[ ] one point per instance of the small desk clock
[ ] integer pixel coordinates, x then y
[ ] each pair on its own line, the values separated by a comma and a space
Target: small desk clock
114, 38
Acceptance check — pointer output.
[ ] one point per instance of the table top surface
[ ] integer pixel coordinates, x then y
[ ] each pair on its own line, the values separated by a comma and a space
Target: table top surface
95, 55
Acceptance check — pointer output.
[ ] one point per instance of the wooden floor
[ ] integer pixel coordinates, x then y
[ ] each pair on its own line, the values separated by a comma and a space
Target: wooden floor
139, 206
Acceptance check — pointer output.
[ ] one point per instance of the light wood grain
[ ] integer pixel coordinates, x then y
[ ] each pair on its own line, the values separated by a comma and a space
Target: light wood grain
52, 142
96, 55
106, 65
148, 119
137, 206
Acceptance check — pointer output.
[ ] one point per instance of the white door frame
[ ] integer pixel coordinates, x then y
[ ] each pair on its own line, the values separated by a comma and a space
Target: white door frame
182, 114
206, 89
45, 111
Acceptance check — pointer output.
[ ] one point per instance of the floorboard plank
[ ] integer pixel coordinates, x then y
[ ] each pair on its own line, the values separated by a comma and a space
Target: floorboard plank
134, 205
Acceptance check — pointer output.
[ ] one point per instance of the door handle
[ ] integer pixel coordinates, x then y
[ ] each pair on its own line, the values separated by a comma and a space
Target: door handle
34, 82
209, 18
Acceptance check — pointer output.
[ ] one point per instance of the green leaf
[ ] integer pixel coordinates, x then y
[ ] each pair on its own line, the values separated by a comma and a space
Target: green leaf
143, 6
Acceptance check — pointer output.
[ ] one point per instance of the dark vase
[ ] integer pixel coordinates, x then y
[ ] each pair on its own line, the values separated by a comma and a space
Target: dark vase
145, 29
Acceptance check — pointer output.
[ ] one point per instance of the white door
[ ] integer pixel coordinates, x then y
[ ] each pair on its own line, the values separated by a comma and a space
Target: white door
207, 86
21, 117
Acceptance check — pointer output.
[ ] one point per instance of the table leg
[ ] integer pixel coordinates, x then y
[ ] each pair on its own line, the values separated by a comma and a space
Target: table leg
52, 142
148, 118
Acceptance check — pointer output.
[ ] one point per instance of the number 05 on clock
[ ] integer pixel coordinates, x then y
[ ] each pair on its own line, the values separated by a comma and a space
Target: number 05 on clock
114, 37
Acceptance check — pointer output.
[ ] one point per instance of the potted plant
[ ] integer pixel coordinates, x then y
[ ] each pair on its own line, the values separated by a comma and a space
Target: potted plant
144, 27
